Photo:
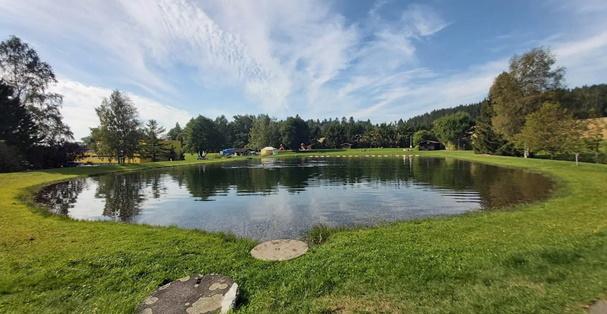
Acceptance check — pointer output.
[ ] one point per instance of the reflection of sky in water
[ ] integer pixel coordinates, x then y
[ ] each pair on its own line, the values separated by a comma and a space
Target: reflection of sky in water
280, 211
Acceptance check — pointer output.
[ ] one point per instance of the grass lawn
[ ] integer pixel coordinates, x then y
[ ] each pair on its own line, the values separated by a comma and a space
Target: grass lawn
544, 257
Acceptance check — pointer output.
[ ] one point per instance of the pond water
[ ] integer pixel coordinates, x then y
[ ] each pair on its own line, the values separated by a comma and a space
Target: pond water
283, 198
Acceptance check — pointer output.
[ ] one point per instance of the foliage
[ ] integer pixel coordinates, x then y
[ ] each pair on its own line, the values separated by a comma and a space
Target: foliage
201, 135
531, 81
176, 133
452, 130
17, 127
585, 102
118, 132
551, 129
426, 120
31, 125
153, 147
10, 158
30, 77
484, 139
264, 132
422, 135
240, 128
294, 131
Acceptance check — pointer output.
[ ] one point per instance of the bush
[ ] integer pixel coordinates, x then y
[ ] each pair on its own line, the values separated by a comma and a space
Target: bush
10, 158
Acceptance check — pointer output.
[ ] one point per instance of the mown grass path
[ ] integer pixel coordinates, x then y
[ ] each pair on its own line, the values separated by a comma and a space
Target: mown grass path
543, 257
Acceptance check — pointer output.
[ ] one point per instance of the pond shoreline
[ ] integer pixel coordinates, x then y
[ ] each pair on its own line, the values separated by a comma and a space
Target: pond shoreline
529, 260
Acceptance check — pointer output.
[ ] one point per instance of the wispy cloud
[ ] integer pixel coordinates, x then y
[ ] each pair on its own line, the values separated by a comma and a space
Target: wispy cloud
280, 57
81, 100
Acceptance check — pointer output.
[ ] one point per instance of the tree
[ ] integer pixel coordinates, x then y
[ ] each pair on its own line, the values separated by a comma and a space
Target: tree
30, 77
201, 135
17, 127
484, 138
293, 132
452, 129
535, 73
240, 128
551, 129
118, 132
594, 136
335, 134
422, 135
224, 134
530, 81
152, 146
264, 132
176, 133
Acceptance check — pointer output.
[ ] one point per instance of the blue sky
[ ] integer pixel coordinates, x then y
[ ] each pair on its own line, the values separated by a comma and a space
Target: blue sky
378, 60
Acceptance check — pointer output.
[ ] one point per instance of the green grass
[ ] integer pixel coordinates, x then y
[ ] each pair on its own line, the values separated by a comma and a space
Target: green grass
542, 257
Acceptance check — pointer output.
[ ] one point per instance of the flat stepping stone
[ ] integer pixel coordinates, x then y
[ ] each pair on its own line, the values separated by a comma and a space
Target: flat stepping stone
192, 295
279, 250
598, 307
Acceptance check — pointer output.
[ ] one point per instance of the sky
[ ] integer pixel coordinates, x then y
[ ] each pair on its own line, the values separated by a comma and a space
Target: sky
380, 60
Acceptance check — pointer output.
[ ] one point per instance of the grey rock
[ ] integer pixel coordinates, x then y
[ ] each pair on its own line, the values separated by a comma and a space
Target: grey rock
279, 250
195, 294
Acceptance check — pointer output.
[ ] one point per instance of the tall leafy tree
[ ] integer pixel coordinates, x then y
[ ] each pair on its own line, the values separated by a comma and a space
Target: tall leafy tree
201, 135
118, 132
531, 80
334, 133
176, 133
451, 130
224, 134
484, 138
30, 77
17, 127
264, 132
293, 132
551, 129
152, 146
240, 128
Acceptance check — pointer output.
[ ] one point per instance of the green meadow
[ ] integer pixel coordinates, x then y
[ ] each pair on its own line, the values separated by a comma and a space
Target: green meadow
544, 257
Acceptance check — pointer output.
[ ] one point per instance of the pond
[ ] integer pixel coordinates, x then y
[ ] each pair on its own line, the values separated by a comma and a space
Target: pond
283, 198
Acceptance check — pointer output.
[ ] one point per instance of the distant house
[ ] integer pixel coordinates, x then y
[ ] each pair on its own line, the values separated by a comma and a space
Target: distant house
430, 145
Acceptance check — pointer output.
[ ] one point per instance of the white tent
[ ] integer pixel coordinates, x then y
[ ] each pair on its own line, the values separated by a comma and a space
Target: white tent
267, 151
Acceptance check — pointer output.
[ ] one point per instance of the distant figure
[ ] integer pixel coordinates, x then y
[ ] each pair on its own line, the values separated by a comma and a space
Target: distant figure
302, 146
282, 147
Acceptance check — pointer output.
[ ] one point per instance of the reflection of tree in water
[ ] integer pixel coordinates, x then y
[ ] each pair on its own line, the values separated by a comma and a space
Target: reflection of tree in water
61, 197
122, 194
497, 186
154, 181
501, 187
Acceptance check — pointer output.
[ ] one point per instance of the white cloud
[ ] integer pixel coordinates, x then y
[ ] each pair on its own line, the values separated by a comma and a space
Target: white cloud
285, 57
584, 59
80, 101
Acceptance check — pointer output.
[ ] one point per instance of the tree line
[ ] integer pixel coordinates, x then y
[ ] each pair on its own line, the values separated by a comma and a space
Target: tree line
528, 111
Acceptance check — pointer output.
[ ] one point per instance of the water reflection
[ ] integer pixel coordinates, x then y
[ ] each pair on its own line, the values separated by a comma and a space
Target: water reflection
283, 198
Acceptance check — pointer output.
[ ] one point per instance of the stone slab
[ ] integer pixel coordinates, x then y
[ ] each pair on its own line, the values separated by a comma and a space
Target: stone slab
279, 250
195, 294
598, 307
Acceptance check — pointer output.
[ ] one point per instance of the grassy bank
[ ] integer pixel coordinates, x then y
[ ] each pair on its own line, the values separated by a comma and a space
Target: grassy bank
544, 257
